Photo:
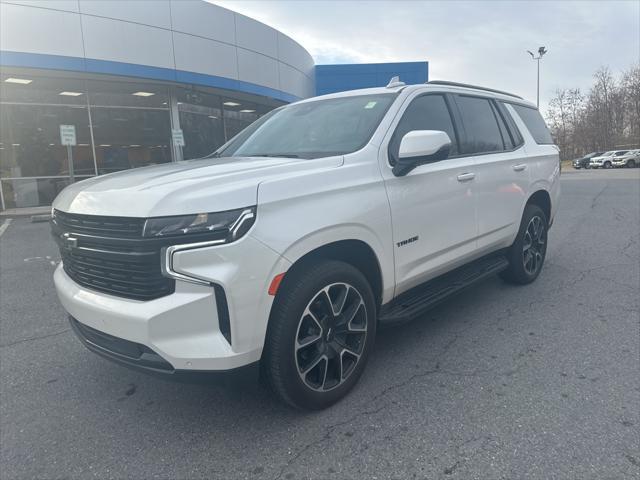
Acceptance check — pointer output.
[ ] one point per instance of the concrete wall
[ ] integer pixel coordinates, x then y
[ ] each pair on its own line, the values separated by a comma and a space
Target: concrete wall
180, 40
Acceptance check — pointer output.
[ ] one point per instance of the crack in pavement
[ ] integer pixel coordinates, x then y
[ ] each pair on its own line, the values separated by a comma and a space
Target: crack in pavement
485, 440
23, 340
581, 275
329, 430
597, 197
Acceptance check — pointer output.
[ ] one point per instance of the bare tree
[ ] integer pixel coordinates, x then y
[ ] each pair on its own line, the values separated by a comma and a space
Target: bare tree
630, 85
606, 118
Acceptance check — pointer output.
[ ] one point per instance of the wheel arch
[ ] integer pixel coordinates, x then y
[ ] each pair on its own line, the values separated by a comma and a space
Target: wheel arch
356, 253
542, 199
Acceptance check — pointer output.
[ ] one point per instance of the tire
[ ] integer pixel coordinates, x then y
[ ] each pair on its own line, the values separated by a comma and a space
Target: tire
631, 164
525, 262
304, 327
607, 164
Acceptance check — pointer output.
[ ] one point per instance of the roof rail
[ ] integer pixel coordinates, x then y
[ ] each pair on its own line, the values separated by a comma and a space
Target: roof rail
466, 85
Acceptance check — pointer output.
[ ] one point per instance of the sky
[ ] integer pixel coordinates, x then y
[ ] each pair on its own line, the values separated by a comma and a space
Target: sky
478, 42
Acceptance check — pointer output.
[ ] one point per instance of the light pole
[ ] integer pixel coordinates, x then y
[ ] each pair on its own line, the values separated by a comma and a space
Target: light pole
541, 52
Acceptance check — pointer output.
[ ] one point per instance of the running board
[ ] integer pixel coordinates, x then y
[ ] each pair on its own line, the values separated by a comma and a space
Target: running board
418, 300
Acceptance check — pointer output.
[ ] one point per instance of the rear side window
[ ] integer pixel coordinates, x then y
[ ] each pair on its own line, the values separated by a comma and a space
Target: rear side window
428, 112
511, 125
504, 131
482, 133
535, 124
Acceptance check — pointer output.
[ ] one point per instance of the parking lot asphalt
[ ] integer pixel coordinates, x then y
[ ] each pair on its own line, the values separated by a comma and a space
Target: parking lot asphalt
541, 381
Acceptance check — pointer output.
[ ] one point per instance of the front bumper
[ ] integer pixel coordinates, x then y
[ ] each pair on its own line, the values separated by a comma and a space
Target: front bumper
183, 328
139, 357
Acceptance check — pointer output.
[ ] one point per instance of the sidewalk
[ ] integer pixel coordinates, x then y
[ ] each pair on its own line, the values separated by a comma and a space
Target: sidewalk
25, 212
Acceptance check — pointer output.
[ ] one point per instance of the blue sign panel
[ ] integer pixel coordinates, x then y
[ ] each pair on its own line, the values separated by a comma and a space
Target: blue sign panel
338, 78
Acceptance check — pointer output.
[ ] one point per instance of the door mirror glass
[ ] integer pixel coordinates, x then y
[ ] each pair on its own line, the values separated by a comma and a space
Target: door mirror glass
419, 147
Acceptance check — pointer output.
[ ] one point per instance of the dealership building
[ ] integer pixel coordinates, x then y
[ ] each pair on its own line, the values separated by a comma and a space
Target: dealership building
142, 82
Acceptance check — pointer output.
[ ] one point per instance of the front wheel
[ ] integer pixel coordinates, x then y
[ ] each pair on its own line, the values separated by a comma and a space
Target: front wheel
607, 164
526, 255
631, 164
321, 332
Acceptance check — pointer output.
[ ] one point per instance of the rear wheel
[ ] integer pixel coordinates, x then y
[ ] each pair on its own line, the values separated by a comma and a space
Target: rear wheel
526, 255
321, 333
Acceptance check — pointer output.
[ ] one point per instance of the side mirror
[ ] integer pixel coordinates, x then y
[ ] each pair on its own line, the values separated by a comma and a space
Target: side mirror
419, 147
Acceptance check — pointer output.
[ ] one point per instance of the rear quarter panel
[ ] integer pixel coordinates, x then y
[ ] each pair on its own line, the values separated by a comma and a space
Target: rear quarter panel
544, 164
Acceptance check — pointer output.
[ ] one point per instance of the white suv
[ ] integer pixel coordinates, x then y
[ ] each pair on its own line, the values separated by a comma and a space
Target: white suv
629, 159
607, 159
291, 244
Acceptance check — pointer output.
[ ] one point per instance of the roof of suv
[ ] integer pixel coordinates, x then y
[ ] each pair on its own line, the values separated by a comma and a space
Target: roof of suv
430, 86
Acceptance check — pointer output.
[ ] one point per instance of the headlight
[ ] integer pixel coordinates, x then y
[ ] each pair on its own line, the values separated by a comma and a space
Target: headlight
229, 225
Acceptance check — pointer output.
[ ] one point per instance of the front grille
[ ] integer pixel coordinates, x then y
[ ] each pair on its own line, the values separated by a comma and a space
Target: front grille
109, 254
139, 278
117, 227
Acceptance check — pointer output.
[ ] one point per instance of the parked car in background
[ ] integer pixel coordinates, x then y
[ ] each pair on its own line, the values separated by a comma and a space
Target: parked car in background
630, 159
583, 162
606, 159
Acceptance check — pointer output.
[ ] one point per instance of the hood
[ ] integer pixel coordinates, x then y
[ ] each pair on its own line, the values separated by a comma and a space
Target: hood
192, 186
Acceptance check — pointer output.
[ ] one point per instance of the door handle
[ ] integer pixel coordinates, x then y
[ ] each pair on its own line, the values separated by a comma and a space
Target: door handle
520, 167
465, 177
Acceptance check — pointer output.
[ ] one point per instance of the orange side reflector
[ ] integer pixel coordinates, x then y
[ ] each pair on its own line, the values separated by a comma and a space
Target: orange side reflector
275, 284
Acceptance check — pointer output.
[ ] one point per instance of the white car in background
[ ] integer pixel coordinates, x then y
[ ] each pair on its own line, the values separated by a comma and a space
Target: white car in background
630, 159
287, 247
606, 159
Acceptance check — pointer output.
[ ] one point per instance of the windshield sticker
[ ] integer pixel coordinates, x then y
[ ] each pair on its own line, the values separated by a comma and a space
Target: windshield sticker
370, 105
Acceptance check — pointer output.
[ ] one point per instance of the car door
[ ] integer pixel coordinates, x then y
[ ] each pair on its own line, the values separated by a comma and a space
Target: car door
433, 206
501, 166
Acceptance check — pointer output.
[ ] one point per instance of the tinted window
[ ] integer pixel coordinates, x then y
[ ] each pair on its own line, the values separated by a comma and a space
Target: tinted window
480, 126
534, 122
516, 136
506, 137
428, 112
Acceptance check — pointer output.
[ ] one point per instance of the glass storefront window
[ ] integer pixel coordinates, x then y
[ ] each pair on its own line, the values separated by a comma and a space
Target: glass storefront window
30, 136
200, 121
239, 114
131, 124
120, 124
31, 113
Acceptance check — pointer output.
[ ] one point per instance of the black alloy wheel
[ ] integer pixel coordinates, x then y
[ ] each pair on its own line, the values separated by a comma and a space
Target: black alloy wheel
331, 336
321, 333
534, 245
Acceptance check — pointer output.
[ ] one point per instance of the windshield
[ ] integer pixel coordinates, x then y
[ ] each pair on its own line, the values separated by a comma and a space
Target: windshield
314, 129
608, 154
